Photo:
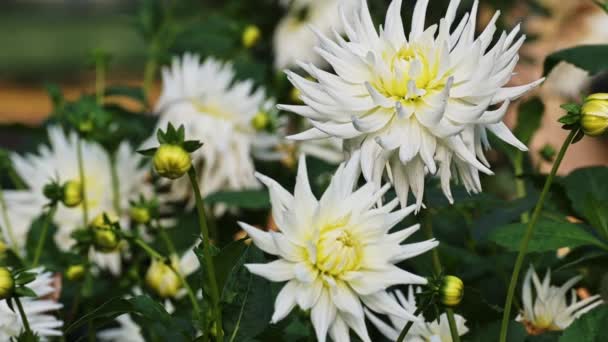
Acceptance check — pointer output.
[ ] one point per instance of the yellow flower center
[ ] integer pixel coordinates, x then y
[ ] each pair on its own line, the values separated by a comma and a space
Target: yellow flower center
338, 252
212, 109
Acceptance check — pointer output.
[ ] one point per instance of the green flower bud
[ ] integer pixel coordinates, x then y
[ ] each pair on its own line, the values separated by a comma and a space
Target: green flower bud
75, 272
260, 121
161, 279
72, 194
171, 161
105, 238
251, 35
140, 214
451, 291
7, 283
594, 112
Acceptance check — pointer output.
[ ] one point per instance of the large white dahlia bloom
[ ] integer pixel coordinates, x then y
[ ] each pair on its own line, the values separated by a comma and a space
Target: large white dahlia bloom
546, 308
417, 104
60, 159
37, 310
216, 109
436, 331
336, 253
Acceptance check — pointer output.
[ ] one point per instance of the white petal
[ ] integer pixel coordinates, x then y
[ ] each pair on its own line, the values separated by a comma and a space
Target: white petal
278, 270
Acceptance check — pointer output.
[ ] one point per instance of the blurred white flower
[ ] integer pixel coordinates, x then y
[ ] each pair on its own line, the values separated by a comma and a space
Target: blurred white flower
336, 254
127, 331
218, 110
417, 104
293, 39
435, 331
36, 309
546, 308
59, 159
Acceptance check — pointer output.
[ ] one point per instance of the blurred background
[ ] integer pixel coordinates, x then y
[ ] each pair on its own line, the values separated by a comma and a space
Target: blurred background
51, 42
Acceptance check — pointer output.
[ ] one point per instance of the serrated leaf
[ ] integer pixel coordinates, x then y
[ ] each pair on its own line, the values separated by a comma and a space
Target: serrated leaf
591, 327
249, 199
591, 58
586, 182
548, 236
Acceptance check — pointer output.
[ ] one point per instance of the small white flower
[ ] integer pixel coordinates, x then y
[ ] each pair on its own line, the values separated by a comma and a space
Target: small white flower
217, 110
336, 254
417, 104
435, 331
59, 159
36, 309
293, 40
546, 308
127, 331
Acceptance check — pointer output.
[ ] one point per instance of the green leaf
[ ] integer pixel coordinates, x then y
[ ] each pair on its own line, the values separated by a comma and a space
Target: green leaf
591, 327
249, 199
584, 183
596, 212
106, 312
226, 260
191, 145
591, 58
24, 291
571, 108
528, 119
148, 152
135, 93
548, 236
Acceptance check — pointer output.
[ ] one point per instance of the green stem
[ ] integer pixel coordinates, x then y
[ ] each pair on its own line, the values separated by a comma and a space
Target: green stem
85, 205
523, 248
149, 250
26, 324
9, 226
115, 184
409, 324
100, 79
163, 235
428, 230
149, 73
452, 323
212, 282
43, 234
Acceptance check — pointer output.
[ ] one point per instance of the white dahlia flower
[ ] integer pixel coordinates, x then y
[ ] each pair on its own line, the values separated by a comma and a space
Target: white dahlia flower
546, 308
293, 40
59, 159
36, 309
336, 253
435, 331
415, 104
126, 331
216, 109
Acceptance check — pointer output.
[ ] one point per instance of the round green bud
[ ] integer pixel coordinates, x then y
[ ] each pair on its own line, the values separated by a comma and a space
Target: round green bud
75, 272
85, 126
251, 36
161, 279
260, 121
594, 120
171, 161
451, 291
7, 283
140, 215
105, 238
72, 194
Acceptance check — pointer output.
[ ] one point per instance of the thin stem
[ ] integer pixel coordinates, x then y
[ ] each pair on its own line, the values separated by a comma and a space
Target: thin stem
409, 324
43, 234
100, 79
26, 324
163, 235
523, 248
115, 184
452, 323
212, 282
83, 192
9, 226
149, 250
428, 229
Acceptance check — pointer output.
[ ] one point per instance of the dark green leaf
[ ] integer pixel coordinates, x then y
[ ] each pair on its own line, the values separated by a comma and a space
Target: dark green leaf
106, 312
191, 145
24, 291
584, 183
596, 212
548, 236
591, 327
591, 58
249, 199
148, 152
570, 119
226, 260
571, 108
528, 119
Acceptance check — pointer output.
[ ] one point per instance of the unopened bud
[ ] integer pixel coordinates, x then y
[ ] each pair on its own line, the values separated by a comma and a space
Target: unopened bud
452, 290
140, 214
594, 120
104, 237
72, 194
171, 161
162, 279
7, 283
260, 121
251, 35
75, 272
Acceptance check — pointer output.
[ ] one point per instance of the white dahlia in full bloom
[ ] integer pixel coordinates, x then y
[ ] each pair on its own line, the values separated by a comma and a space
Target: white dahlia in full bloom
36, 309
435, 331
417, 104
293, 40
336, 253
217, 110
59, 159
546, 308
